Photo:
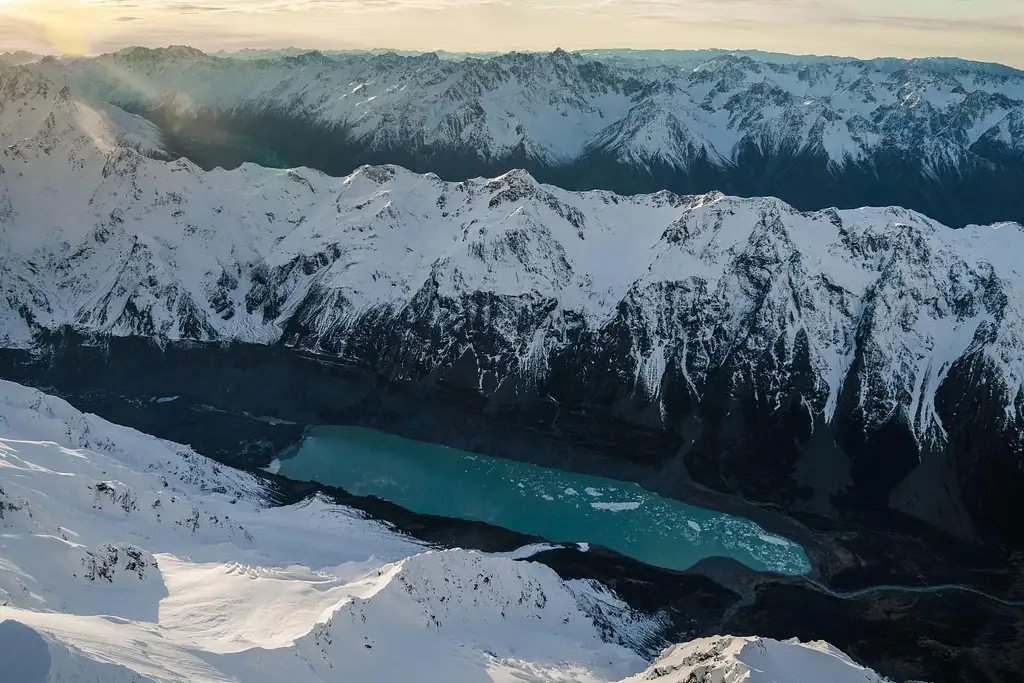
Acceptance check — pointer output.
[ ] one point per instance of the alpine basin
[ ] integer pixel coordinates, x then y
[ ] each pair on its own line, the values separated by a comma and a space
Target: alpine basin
554, 504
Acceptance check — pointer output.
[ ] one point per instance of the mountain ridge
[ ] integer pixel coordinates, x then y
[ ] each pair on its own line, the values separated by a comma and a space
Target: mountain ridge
80, 573
877, 329
130, 559
939, 136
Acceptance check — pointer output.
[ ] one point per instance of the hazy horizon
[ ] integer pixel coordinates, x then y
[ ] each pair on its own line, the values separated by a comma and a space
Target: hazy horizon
984, 30
300, 49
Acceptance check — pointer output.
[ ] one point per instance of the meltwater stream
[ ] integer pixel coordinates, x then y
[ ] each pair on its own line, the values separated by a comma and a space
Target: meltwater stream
553, 504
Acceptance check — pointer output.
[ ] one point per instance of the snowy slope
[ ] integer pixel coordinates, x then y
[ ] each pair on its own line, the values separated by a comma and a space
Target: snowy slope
138, 553
127, 558
98, 236
559, 107
886, 332
755, 660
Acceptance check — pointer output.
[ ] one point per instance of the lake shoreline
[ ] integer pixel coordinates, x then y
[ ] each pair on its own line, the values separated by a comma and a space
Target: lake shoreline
223, 391
553, 504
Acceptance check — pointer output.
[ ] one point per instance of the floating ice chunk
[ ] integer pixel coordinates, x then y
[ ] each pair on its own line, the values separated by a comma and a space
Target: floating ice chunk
615, 507
774, 540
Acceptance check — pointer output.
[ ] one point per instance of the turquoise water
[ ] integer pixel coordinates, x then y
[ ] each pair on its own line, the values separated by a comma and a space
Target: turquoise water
553, 504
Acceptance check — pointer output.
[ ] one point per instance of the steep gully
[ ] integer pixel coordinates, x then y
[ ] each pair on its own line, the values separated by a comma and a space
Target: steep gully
910, 601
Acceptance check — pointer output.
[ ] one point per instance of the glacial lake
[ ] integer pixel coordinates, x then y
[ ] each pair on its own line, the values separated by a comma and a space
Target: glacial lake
553, 504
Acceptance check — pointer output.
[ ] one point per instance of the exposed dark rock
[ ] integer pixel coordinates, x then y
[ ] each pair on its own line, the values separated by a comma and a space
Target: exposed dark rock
983, 191
227, 392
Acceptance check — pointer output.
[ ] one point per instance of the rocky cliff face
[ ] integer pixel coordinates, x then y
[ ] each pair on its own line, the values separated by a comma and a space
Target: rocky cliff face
939, 136
815, 359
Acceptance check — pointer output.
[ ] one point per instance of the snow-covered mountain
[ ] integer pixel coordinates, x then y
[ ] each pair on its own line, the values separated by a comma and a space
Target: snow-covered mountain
934, 135
125, 558
898, 337
895, 335
18, 57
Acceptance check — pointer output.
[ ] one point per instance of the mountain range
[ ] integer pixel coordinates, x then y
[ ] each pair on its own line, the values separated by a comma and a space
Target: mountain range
128, 559
944, 137
867, 357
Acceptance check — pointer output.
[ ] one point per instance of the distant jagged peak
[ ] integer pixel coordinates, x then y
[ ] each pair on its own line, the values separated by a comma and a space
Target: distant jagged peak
514, 179
945, 65
384, 174
561, 56
699, 201
712, 59
171, 51
732, 61
18, 57
171, 54
25, 80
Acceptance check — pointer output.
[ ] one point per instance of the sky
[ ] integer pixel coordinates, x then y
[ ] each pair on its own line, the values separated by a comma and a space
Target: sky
989, 30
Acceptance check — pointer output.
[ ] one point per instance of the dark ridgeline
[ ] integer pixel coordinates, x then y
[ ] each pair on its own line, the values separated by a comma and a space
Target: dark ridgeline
985, 190
928, 158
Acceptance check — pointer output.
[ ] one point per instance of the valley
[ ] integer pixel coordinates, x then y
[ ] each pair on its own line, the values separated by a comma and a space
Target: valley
247, 405
794, 419
941, 137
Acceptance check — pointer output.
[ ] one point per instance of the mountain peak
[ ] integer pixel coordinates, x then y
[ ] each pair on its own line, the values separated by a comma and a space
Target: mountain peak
171, 54
308, 592
620, 121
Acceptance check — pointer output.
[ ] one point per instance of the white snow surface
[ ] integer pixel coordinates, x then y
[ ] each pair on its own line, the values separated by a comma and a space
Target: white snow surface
97, 235
135, 560
557, 107
730, 659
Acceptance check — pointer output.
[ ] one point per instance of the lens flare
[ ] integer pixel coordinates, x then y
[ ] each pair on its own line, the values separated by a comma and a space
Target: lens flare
63, 25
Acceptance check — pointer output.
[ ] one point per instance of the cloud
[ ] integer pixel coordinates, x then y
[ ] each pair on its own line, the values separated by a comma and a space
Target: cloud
16, 32
977, 29
1007, 25
197, 8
